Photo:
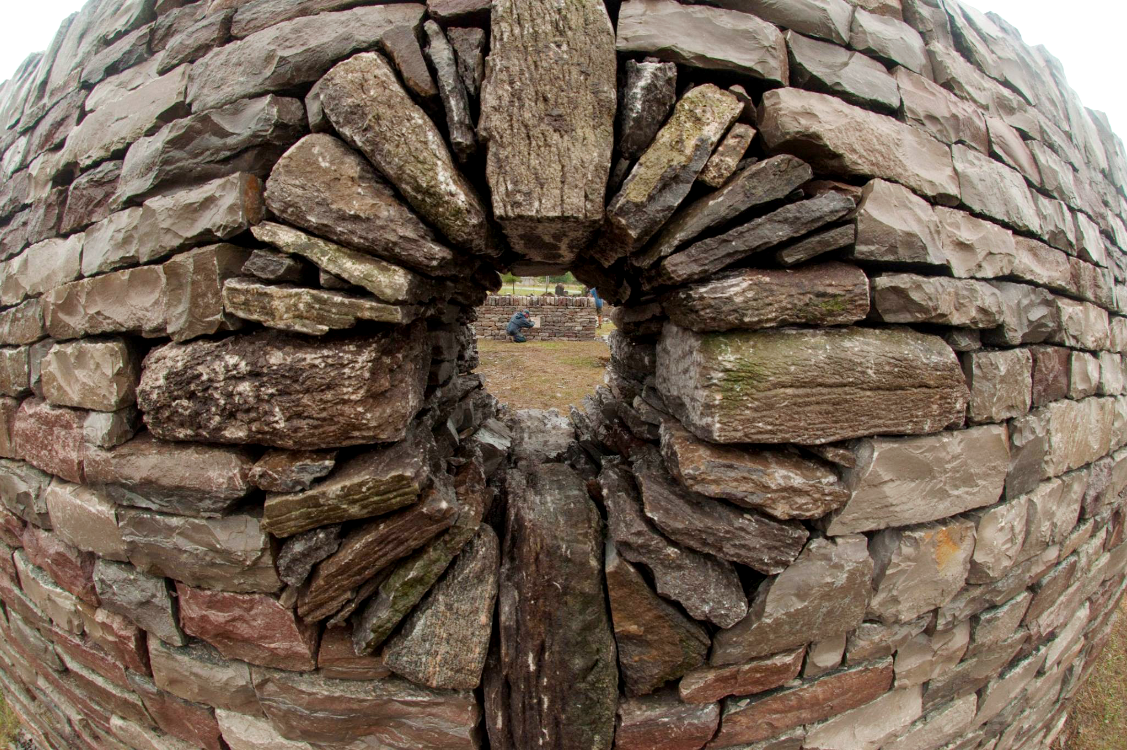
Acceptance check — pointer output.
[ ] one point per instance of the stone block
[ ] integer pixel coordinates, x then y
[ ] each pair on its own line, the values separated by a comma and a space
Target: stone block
920, 568
199, 674
870, 726
187, 724
141, 598
1082, 326
1029, 315
1050, 373
946, 723
948, 473
68, 566
964, 303
711, 397
839, 137
1000, 384
995, 190
338, 659
929, 655
40, 268
86, 519
15, 375
60, 606
22, 324
940, 113
120, 638
661, 722
889, 39
1112, 381
830, 69
21, 491
999, 539
91, 374
894, 225
242, 732
709, 684
975, 248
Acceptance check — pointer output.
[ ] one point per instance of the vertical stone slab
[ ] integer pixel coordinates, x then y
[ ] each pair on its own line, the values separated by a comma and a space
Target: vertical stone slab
547, 113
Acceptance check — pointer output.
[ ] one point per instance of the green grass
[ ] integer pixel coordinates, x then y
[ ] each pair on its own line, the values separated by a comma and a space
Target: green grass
9, 724
1098, 719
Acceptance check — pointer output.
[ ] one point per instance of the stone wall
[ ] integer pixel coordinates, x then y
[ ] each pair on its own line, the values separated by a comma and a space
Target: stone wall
557, 318
856, 479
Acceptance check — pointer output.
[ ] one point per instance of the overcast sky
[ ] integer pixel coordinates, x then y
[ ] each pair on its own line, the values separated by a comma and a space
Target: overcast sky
1085, 34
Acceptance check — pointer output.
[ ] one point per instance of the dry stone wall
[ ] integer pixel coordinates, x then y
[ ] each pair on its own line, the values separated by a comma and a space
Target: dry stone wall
556, 318
855, 481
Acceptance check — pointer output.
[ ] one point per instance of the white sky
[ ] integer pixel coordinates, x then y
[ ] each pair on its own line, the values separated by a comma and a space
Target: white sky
1086, 35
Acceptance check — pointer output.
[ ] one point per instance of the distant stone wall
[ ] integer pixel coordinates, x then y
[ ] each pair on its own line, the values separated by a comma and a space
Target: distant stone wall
557, 318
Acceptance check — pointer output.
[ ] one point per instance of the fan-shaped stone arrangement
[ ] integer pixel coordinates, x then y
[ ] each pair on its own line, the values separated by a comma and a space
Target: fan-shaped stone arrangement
856, 478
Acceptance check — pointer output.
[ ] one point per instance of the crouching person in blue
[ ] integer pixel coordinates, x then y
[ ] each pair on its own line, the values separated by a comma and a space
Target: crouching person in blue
517, 323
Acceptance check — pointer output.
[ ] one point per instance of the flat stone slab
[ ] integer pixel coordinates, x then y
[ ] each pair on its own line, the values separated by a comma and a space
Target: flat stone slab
309, 394
311, 311
742, 387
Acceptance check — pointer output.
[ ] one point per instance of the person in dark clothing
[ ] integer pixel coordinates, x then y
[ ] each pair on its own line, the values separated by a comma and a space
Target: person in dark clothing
517, 323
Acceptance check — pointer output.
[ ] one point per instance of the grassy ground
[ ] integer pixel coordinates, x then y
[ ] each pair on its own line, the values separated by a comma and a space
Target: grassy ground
1099, 715
542, 374
9, 724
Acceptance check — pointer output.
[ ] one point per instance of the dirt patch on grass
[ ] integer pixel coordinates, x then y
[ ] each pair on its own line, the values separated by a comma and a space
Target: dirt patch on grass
542, 374
1098, 719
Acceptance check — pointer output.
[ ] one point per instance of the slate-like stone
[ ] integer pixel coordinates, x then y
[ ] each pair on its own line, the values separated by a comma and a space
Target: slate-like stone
993, 189
647, 98
60, 606
68, 566
889, 39
709, 684
270, 265
291, 471
15, 374
232, 553
309, 394
1030, 315
558, 677
143, 599
760, 183
385, 712
100, 375
310, 311
839, 138
469, 49
750, 299
183, 724
86, 519
823, 19
443, 643
715, 527
868, 727
919, 569
388, 282
708, 588
727, 156
301, 552
655, 642
249, 627
370, 484
903, 481
713, 396
661, 722
21, 492
323, 186
56, 261
181, 478
338, 660
1083, 375
999, 539
198, 673
246, 136
790, 610
1000, 384
784, 485
962, 303
703, 37
894, 225
365, 103
455, 100
939, 112
288, 54
242, 732
790, 222
830, 69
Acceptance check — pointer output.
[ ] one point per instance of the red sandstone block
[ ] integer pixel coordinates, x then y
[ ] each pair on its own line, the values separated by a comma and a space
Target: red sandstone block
70, 567
119, 637
191, 722
50, 438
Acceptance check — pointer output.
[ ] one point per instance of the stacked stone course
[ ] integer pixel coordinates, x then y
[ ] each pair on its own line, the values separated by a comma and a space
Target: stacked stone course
558, 318
856, 479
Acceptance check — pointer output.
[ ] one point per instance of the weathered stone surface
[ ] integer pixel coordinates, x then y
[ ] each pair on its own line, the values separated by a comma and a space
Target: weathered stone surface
790, 610
941, 113
566, 693
539, 435
443, 643
455, 99
787, 223
218, 210
230, 554
714, 527
1040, 264
1082, 325
9, 407
875, 640
749, 720
15, 376
338, 660
655, 642
388, 712
291, 471
1083, 375
367, 106
388, 282
1000, 384
870, 726
198, 673
839, 138
661, 722
708, 588
1059, 437
975, 248
141, 598
894, 225
409, 579
783, 485
965, 303
181, 478
309, 394
972, 673
323, 186
71, 568
823, 19
91, 374
469, 48
21, 492
702, 37
704, 381
943, 724
269, 265
288, 54
242, 732
180, 298
919, 569
110, 129
993, 189
250, 627
22, 324
182, 720
1030, 315
300, 553
119, 637
763, 182
369, 484
709, 684
903, 481
60, 606
246, 136
56, 261
999, 539
1111, 374
889, 39
830, 69
50, 438
724, 161
371, 548
647, 97
86, 519
822, 295
666, 171
310, 311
